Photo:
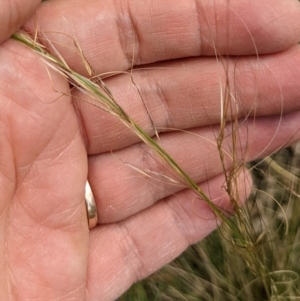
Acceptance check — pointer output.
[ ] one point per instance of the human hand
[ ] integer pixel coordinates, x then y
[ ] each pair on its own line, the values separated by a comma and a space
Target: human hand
47, 252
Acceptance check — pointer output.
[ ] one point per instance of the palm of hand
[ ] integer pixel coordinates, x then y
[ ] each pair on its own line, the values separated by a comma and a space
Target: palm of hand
43, 171
46, 249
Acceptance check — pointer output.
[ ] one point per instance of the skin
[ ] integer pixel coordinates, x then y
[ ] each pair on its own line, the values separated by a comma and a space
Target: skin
52, 140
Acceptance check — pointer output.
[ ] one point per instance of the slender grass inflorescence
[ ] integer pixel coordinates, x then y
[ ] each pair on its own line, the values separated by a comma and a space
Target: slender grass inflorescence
100, 92
254, 242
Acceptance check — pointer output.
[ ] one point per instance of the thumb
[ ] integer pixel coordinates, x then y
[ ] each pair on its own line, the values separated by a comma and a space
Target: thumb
13, 14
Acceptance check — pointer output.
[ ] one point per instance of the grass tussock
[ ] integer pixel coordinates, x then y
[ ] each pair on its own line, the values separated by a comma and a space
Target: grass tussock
252, 256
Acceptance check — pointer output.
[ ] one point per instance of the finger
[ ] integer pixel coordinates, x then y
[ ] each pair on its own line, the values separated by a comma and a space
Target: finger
113, 35
132, 179
187, 94
13, 14
145, 242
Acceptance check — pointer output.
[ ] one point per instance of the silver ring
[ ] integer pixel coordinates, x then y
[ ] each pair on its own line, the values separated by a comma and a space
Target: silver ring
91, 208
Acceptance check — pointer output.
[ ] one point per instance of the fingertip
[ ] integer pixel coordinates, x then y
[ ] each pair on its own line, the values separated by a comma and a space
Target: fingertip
13, 14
